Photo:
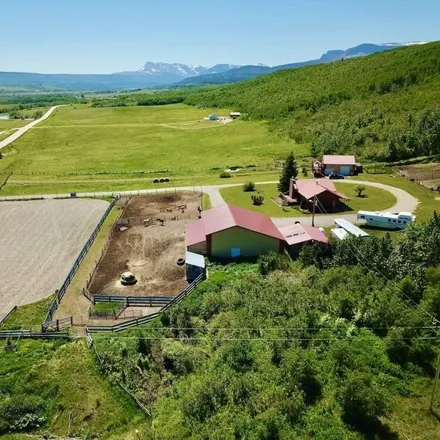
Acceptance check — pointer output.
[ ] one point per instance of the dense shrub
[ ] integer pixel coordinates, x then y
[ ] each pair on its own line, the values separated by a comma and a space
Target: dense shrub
257, 200
225, 175
249, 187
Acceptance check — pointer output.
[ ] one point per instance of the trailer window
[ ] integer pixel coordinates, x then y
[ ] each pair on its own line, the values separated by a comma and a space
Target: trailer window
362, 216
404, 223
389, 219
399, 221
394, 221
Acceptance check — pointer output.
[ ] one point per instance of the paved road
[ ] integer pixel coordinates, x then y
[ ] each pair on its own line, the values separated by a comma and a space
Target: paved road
24, 129
405, 201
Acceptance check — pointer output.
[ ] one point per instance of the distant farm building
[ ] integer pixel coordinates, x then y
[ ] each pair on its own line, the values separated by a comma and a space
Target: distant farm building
213, 117
234, 115
231, 232
344, 165
297, 235
344, 229
322, 193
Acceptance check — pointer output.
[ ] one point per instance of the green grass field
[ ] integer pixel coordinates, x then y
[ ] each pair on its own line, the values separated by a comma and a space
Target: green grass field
87, 142
7, 124
375, 199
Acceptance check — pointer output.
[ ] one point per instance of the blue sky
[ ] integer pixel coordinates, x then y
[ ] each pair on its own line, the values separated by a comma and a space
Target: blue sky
103, 36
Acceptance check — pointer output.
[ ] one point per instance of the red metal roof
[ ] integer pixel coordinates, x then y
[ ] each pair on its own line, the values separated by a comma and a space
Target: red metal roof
297, 233
194, 232
311, 188
228, 216
333, 159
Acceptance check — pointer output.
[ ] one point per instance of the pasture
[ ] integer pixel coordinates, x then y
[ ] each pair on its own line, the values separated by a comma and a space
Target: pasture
39, 241
86, 143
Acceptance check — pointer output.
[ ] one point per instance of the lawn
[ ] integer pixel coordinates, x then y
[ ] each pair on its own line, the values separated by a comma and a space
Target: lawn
129, 142
375, 199
429, 200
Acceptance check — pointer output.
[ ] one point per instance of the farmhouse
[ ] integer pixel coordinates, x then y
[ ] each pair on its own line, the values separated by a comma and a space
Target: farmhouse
345, 165
321, 192
297, 235
230, 232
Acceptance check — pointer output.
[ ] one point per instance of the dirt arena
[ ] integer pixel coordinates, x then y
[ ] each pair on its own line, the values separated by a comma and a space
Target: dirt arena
39, 241
150, 252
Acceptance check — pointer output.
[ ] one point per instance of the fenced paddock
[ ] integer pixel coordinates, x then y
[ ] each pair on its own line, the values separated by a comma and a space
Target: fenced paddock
39, 242
148, 240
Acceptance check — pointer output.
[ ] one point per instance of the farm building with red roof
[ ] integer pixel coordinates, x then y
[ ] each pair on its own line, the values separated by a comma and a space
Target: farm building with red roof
333, 163
230, 232
297, 235
323, 192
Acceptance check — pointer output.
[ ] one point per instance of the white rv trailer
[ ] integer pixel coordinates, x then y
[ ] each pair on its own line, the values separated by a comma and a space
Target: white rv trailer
386, 220
344, 228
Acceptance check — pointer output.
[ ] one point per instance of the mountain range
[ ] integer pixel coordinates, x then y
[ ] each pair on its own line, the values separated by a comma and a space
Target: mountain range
159, 75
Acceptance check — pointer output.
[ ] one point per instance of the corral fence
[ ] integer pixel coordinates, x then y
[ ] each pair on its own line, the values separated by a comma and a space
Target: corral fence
155, 219
60, 293
4, 318
60, 324
143, 320
10, 334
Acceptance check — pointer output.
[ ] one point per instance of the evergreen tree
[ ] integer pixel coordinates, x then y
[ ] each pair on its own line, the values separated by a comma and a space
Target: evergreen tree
289, 170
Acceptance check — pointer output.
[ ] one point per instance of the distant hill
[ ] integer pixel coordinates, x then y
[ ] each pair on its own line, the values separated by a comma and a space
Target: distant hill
248, 72
157, 75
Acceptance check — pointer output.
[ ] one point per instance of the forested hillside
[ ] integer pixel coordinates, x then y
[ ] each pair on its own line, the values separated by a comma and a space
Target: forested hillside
332, 347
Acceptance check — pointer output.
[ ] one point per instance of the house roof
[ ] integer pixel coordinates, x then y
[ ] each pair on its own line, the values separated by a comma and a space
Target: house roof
228, 216
309, 188
333, 159
194, 233
297, 233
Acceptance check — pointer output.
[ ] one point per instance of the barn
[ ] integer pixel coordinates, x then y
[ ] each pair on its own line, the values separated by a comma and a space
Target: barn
228, 231
297, 235
321, 192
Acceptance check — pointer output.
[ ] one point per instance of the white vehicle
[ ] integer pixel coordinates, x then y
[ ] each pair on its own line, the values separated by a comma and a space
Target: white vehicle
386, 220
344, 228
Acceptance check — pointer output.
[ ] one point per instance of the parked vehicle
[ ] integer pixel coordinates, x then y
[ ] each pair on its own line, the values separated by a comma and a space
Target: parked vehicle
387, 220
335, 176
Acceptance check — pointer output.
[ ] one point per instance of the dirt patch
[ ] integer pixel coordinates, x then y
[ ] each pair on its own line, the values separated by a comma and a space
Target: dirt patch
149, 252
425, 174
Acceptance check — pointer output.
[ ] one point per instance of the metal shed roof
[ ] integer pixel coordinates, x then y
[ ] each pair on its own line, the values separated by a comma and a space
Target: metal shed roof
333, 159
193, 259
350, 227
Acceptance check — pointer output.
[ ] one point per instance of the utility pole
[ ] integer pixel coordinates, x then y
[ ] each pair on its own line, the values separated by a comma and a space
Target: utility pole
434, 389
313, 211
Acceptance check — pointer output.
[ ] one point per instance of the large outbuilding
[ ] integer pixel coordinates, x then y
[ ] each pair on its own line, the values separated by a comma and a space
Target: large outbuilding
322, 193
331, 163
228, 231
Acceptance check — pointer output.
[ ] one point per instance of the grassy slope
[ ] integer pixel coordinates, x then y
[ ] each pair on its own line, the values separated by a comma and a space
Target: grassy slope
95, 406
28, 317
376, 199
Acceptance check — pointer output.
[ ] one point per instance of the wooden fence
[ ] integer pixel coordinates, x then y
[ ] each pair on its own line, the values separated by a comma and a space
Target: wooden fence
143, 320
60, 293
5, 334
4, 318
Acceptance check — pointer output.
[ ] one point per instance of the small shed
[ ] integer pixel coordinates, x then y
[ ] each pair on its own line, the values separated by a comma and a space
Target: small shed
234, 115
195, 266
213, 117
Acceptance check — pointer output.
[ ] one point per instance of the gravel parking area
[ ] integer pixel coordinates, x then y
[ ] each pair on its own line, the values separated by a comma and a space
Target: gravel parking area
39, 241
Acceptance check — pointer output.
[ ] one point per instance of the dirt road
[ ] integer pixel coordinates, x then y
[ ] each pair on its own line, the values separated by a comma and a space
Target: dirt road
24, 129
